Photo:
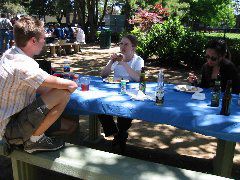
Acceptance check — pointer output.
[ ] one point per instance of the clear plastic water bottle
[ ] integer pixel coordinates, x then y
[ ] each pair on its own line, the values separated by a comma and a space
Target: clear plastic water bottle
160, 89
160, 79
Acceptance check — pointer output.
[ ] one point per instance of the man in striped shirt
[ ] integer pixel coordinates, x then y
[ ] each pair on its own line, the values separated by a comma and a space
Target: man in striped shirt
23, 117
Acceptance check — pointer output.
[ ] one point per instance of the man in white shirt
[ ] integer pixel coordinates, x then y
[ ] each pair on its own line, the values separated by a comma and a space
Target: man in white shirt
23, 117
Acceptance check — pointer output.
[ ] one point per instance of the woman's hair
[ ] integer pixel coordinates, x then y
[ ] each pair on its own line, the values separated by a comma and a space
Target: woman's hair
132, 38
26, 28
220, 47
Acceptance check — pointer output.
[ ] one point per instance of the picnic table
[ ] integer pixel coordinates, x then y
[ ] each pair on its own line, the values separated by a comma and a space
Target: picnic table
67, 47
178, 110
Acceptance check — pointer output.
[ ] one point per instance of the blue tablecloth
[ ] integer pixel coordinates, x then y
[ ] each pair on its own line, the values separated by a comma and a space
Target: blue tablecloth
178, 110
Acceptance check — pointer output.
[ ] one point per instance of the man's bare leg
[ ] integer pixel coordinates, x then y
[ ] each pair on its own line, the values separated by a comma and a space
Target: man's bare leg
56, 101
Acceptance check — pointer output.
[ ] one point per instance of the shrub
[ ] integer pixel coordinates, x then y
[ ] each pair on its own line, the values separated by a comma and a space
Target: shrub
174, 44
190, 50
234, 48
145, 19
161, 40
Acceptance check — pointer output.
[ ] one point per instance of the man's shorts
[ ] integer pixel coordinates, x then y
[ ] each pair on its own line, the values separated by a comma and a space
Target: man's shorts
22, 125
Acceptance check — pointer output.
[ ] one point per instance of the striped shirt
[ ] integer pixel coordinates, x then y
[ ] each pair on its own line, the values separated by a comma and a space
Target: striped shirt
20, 76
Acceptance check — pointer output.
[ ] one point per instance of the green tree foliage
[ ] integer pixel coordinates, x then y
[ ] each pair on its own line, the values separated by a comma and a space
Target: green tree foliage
208, 12
171, 43
56, 8
13, 9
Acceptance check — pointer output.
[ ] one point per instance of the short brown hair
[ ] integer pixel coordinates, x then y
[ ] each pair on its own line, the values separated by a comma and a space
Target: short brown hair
132, 39
26, 28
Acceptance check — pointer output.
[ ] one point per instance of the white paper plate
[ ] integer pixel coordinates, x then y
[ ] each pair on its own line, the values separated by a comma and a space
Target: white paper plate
113, 81
188, 88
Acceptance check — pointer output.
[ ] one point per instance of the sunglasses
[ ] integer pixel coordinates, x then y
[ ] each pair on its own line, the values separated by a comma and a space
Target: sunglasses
212, 58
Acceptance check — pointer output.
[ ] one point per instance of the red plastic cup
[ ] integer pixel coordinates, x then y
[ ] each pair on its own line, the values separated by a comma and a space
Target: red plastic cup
84, 82
85, 87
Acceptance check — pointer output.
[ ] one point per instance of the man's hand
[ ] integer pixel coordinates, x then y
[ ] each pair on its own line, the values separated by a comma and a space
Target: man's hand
72, 87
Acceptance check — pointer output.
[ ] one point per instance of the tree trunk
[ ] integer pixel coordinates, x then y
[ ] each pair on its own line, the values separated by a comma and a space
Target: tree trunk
67, 18
104, 13
74, 21
92, 20
80, 9
127, 12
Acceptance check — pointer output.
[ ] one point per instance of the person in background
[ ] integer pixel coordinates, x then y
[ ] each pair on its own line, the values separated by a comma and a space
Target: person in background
218, 62
69, 34
13, 20
127, 66
5, 27
80, 35
24, 117
57, 33
49, 33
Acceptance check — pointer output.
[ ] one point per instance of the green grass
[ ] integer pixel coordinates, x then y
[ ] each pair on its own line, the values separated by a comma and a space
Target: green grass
228, 35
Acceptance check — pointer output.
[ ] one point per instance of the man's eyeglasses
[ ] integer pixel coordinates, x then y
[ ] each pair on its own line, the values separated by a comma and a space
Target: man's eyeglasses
212, 58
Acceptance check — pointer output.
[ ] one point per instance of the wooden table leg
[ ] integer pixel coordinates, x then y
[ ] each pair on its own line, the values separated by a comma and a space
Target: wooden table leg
53, 51
223, 161
76, 48
68, 49
94, 128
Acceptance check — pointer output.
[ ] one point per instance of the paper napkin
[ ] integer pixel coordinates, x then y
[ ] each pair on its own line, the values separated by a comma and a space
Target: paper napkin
198, 96
139, 95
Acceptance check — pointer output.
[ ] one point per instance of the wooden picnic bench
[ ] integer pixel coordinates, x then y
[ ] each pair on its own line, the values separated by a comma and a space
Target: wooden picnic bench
67, 47
86, 163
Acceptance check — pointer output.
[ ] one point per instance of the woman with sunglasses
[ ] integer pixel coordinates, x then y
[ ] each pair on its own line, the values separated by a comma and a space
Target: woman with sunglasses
218, 63
126, 65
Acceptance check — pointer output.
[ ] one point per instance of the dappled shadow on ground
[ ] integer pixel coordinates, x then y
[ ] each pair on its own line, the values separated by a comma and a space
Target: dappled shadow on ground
155, 142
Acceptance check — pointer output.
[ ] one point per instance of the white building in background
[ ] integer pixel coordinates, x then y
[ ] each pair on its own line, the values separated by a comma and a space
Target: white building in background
54, 19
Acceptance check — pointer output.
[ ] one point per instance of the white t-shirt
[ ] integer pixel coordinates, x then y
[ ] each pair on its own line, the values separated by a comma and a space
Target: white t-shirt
80, 36
120, 72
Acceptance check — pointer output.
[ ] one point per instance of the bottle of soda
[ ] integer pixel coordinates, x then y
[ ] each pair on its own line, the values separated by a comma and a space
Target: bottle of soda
216, 91
75, 78
66, 67
142, 83
123, 87
160, 89
226, 101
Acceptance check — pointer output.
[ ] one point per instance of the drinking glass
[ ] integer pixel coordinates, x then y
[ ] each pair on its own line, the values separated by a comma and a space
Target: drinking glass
84, 82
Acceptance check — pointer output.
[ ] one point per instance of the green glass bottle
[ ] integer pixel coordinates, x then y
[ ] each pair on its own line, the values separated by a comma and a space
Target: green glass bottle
227, 98
142, 82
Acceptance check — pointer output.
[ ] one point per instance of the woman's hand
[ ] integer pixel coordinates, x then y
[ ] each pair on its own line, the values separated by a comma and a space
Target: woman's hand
192, 78
117, 57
